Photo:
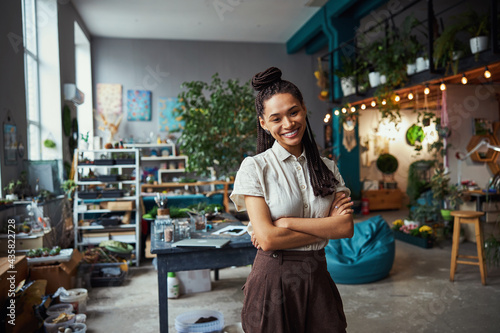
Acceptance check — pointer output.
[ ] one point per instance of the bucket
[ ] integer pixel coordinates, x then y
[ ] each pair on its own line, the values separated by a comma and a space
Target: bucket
57, 309
50, 327
185, 322
78, 298
78, 327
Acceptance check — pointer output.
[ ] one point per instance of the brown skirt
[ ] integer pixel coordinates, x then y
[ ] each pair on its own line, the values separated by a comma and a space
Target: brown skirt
291, 292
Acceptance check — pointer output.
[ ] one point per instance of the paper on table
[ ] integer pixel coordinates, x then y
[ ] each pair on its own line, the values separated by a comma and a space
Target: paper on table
232, 230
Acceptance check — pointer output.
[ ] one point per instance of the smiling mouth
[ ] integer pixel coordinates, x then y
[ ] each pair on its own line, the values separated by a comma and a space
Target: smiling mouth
291, 134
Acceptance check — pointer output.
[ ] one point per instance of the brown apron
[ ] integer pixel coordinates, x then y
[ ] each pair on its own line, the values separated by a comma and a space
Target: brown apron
291, 292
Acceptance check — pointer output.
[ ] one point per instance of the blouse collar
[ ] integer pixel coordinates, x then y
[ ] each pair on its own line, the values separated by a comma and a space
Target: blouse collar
283, 154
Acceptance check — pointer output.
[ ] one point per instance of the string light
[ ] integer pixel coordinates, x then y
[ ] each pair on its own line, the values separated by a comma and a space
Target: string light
353, 109
397, 98
336, 112
410, 96
344, 110
373, 104
384, 102
363, 106
427, 90
327, 118
442, 86
487, 73
464, 79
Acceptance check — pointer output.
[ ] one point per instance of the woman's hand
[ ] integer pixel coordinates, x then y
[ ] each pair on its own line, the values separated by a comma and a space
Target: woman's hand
341, 205
254, 241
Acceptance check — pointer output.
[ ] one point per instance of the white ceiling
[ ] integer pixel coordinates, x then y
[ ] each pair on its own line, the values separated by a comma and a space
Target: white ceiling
271, 21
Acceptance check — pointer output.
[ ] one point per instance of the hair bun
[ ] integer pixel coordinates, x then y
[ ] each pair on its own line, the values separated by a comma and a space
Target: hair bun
264, 79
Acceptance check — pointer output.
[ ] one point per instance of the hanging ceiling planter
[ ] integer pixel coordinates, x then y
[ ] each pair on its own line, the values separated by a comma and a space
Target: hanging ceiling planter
415, 136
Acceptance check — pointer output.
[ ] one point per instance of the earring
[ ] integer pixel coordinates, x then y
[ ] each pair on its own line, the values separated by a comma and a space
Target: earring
267, 131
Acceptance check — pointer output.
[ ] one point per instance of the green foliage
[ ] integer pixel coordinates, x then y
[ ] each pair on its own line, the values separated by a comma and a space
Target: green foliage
49, 143
425, 213
492, 251
417, 184
220, 124
387, 164
443, 192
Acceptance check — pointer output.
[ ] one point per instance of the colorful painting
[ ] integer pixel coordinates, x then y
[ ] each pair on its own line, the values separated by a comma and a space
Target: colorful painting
169, 120
139, 105
109, 98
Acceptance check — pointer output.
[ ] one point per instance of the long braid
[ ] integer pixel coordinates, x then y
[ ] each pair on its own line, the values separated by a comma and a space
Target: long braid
268, 83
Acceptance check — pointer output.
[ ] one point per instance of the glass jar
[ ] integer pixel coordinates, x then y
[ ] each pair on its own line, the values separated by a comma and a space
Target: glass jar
182, 230
198, 222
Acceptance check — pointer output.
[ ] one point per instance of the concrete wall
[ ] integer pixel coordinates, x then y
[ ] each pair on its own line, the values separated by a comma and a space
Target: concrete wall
163, 65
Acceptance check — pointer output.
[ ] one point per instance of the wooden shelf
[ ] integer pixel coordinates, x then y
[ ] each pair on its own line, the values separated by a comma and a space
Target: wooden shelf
491, 155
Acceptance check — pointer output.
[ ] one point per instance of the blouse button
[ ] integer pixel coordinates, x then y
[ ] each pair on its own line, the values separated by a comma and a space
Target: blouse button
303, 187
275, 255
298, 168
305, 206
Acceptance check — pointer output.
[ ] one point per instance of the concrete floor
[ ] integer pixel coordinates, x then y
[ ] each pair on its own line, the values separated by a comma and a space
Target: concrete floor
417, 296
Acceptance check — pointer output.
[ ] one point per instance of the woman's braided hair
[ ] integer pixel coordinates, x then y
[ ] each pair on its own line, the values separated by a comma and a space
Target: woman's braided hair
269, 83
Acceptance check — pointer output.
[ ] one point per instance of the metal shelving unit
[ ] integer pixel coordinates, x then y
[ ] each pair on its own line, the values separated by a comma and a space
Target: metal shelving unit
80, 210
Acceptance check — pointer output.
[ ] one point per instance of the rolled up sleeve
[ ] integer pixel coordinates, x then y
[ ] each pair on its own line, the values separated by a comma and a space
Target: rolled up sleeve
333, 167
246, 182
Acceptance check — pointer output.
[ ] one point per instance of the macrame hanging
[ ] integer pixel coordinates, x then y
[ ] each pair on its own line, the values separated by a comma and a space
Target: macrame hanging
349, 140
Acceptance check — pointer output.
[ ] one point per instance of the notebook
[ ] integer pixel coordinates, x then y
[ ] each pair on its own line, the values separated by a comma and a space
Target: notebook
202, 242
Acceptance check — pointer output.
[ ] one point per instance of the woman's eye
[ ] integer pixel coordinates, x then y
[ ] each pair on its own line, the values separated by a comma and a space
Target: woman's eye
275, 120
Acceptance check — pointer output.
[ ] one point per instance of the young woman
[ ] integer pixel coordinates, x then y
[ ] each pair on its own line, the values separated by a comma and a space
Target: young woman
296, 202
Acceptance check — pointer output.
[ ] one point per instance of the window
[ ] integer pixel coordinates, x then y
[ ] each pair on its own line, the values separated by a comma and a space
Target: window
31, 64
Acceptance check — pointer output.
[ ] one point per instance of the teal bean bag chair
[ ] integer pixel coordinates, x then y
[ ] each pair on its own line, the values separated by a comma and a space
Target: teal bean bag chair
366, 257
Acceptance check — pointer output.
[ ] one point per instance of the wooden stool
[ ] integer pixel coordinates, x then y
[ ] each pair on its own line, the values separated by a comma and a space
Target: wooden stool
463, 216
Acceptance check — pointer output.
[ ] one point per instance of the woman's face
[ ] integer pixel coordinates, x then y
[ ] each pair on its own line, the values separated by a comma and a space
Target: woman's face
285, 117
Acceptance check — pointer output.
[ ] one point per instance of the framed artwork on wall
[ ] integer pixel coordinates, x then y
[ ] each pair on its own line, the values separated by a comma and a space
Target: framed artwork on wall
10, 143
169, 120
138, 105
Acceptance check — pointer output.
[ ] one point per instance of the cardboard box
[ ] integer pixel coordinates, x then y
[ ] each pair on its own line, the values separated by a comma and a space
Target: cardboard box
124, 236
148, 253
118, 205
58, 275
94, 238
194, 281
21, 273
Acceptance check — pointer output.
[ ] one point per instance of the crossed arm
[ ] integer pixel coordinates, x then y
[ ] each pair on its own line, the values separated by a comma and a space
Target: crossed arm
291, 232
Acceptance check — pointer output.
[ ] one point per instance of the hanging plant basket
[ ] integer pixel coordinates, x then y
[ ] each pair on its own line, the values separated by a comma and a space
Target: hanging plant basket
387, 164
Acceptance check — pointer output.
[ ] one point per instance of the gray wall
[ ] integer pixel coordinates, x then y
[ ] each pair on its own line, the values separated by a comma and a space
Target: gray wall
163, 65
12, 93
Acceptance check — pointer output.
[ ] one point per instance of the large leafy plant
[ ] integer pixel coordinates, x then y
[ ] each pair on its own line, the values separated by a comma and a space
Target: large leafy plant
220, 125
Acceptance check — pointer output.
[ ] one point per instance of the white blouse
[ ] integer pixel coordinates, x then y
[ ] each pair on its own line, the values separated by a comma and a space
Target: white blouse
283, 180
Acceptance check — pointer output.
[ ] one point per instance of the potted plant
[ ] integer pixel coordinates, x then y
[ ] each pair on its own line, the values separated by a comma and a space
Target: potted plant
12, 187
478, 27
422, 236
447, 49
409, 43
218, 129
492, 251
372, 54
347, 75
448, 197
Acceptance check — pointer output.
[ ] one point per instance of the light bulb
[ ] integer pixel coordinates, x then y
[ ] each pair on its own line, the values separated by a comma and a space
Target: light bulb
410, 96
344, 110
353, 109
373, 103
427, 90
384, 102
464, 79
487, 73
336, 112
363, 106
325, 120
442, 86
397, 98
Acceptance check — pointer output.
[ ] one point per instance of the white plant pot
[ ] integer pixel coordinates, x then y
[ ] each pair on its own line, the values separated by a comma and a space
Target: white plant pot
412, 223
347, 84
478, 44
383, 79
11, 197
374, 78
457, 55
421, 64
411, 69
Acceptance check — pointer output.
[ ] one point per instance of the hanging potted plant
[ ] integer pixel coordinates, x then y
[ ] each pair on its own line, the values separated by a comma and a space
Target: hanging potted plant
478, 27
347, 75
447, 49
373, 58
